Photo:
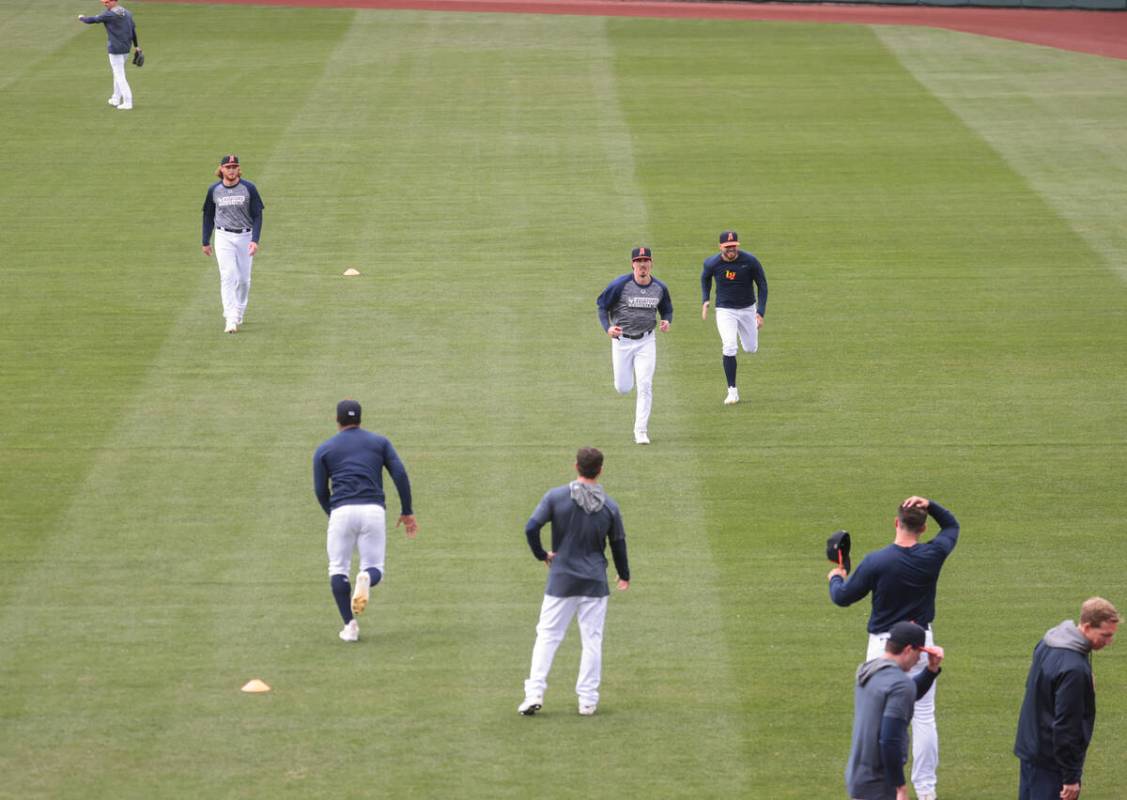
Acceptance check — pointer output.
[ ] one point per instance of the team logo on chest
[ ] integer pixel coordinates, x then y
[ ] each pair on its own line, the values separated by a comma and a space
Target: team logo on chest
730, 274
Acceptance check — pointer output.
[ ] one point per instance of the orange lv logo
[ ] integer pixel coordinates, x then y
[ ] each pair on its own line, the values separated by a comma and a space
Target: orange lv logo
729, 275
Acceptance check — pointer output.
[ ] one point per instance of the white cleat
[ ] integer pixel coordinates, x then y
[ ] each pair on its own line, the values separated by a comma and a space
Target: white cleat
115, 102
350, 632
733, 396
231, 328
125, 107
641, 437
361, 592
587, 710
530, 706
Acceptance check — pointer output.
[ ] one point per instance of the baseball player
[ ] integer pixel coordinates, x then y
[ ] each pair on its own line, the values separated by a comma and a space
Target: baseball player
583, 519
902, 578
739, 312
120, 34
353, 462
233, 208
883, 705
627, 311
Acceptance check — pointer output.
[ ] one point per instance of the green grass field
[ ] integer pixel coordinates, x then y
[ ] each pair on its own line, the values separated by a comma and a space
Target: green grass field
941, 221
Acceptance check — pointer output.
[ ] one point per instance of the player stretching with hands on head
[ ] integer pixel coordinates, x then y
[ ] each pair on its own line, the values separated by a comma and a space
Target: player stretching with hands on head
120, 34
739, 313
627, 311
902, 578
233, 208
354, 461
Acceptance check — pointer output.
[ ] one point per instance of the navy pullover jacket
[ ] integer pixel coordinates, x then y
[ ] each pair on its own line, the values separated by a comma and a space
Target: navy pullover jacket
1058, 713
902, 579
354, 460
120, 30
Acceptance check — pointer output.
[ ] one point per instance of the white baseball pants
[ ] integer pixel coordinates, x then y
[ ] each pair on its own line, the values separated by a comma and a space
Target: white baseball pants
121, 90
925, 737
555, 616
232, 253
737, 323
635, 360
358, 527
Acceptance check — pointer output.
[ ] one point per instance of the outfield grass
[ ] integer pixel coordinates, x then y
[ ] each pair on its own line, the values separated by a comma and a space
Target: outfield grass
946, 318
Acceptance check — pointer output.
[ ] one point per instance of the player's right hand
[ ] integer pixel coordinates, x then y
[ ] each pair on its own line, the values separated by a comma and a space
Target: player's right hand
918, 502
704, 310
207, 250
614, 331
623, 585
409, 523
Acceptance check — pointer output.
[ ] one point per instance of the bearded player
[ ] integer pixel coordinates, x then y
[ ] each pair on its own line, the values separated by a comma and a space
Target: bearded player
739, 311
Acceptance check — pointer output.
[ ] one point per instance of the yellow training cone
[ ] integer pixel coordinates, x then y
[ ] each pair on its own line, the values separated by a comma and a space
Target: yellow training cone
256, 687
350, 272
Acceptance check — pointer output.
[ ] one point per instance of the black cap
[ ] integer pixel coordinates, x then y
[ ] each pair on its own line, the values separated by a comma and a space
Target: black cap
908, 633
231, 159
729, 238
348, 412
641, 252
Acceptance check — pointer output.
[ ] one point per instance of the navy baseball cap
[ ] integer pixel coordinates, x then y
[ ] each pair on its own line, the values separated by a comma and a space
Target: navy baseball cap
641, 252
912, 634
231, 159
729, 238
348, 412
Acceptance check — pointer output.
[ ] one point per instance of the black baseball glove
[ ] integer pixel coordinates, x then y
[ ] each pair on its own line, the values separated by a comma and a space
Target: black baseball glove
837, 550
138, 58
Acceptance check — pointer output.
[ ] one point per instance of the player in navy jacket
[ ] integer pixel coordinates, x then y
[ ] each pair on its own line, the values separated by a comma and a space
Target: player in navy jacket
739, 310
1058, 713
348, 481
902, 579
628, 311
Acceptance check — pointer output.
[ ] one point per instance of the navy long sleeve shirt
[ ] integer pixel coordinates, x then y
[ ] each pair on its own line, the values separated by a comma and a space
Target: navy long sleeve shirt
120, 30
736, 282
354, 461
902, 579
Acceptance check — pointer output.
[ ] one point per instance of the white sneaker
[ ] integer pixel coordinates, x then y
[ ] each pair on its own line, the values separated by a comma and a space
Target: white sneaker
586, 710
114, 101
733, 396
350, 632
641, 437
231, 328
530, 706
361, 592
125, 107
927, 796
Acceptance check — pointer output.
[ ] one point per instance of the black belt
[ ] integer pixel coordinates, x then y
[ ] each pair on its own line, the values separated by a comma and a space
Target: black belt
233, 230
639, 336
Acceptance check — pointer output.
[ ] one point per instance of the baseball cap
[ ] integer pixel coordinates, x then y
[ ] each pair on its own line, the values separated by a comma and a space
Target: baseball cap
231, 159
348, 412
729, 238
641, 252
911, 634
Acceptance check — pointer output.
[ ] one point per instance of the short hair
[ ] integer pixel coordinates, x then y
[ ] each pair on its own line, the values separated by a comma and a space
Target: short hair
896, 648
1096, 611
589, 462
912, 518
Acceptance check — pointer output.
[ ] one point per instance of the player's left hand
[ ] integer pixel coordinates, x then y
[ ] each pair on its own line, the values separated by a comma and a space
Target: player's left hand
409, 523
758, 321
934, 658
839, 571
919, 502
253, 248
664, 325
623, 585
704, 310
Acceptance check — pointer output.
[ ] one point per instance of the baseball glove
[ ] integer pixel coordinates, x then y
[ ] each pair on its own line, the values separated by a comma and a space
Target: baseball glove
837, 550
138, 58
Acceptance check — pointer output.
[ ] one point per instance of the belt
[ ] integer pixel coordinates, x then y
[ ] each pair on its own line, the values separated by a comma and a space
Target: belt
639, 336
233, 230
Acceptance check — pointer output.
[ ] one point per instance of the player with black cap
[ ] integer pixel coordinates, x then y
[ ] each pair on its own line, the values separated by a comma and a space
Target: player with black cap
739, 310
353, 462
628, 311
884, 700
